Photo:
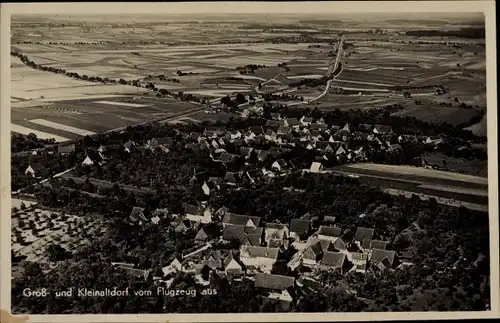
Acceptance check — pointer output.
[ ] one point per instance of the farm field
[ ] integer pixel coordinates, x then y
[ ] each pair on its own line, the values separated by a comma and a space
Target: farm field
437, 114
472, 167
72, 119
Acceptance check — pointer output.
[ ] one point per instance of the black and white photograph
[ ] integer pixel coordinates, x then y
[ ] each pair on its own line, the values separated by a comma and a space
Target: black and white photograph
236, 159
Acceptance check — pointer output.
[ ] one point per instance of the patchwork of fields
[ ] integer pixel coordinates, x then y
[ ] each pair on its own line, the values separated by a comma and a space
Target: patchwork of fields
71, 119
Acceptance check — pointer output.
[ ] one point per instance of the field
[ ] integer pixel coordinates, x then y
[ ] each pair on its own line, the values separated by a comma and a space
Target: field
203, 63
72, 119
448, 188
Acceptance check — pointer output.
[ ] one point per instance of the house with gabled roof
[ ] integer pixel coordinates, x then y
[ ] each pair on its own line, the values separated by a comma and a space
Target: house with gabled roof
378, 256
374, 244
276, 231
197, 214
382, 130
87, 161
312, 254
362, 234
279, 165
262, 258
213, 259
201, 236
275, 124
299, 229
276, 283
33, 169
275, 116
256, 131
316, 167
306, 121
174, 267
65, 150
234, 232
246, 151
238, 219
329, 233
262, 154
231, 265
328, 219
231, 178
359, 261
270, 135
333, 260
291, 123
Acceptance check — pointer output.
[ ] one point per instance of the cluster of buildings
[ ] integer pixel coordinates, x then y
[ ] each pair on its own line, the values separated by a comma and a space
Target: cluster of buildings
237, 246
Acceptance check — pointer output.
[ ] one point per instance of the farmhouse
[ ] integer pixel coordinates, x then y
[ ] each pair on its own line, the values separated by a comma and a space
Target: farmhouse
276, 231
262, 258
174, 266
359, 261
383, 258
277, 283
237, 219
231, 266
65, 150
333, 260
279, 164
316, 167
312, 254
329, 233
362, 234
197, 214
382, 130
33, 169
87, 161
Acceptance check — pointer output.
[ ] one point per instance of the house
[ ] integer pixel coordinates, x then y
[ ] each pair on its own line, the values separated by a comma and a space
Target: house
201, 236
65, 150
231, 266
275, 116
362, 234
234, 232
212, 133
270, 135
277, 283
374, 244
359, 261
246, 151
213, 260
283, 131
333, 260
174, 266
365, 127
87, 161
254, 175
238, 219
291, 123
167, 142
254, 235
231, 178
128, 146
197, 214
259, 257
318, 126
181, 225
256, 131
306, 121
316, 167
382, 130
378, 256
275, 124
279, 165
329, 233
394, 147
262, 155
276, 231
33, 169
137, 215
340, 151
312, 254
234, 135
344, 242
299, 229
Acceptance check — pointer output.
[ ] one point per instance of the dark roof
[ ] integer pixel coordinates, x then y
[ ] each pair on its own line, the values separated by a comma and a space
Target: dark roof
363, 233
262, 252
307, 119
191, 209
231, 177
374, 244
330, 231
202, 235
275, 243
234, 232
340, 244
257, 130
256, 230
317, 126
273, 123
383, 129
348, 236
262, 154
254, 239
378, 255
226, 157
238, 219
255, 173
292, 122
313, 251
166, 141
365, 127
281, 162
129, 144
385, 263
276, 282
299, 225
333, 259
245, 151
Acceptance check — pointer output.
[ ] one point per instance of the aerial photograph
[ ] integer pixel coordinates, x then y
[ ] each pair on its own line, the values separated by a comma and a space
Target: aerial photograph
249, 163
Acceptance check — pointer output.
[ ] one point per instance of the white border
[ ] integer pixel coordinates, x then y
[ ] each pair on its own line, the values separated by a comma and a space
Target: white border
487, 7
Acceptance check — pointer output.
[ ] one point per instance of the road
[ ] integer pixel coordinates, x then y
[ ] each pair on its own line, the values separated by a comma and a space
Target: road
45, 180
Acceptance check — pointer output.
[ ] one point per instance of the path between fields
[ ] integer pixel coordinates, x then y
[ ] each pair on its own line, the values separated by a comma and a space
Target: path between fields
45, 180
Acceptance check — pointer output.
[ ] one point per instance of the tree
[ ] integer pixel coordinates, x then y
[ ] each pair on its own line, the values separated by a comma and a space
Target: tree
57, 253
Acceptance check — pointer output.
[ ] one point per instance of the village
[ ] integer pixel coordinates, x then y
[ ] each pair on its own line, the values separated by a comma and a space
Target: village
239, 246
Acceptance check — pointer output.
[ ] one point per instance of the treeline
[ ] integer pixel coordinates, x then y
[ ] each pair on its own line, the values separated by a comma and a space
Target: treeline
20, 142
462, 33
